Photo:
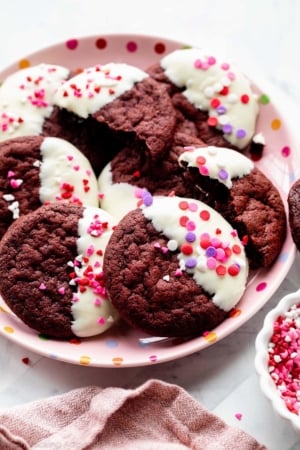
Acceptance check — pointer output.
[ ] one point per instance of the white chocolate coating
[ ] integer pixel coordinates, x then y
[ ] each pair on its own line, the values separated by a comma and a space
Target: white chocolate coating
66, 174
220, 163
217, 87
26, 99
97, 86
209, 248
116, 198
92, 311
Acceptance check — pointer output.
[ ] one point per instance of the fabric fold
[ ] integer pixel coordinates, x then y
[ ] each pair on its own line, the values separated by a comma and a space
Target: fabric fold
154, 416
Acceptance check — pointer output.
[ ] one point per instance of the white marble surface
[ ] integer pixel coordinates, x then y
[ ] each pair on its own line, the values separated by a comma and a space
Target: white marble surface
255, 32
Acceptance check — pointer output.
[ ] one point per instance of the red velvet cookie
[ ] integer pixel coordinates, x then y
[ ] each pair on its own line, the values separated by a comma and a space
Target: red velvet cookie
35, 170
51, 273
174, 267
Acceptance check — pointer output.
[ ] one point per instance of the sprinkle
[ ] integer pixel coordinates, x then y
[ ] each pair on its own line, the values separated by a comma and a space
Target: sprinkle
178, 272
147, 198
284, 359
101, 321
245, 98
238, 416
186, 249
221, 270
190, 263
15, 183
223, 174
212, 121
190, 237
172, 245
42, 286
241, 133
26, 361
227, 128
8, 197
61, 290
205, 215
166, 278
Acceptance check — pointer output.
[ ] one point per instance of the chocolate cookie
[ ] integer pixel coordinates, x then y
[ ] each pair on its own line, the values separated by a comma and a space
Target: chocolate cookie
244, 196
26, 99
106, 108
212, 94
174, 267
224, 179
294, 212
35, 170
51, 272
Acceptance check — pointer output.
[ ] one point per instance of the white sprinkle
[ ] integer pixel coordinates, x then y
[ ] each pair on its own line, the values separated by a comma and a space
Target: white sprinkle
166, 278
37, 163
8, 197
172, 245
14, 208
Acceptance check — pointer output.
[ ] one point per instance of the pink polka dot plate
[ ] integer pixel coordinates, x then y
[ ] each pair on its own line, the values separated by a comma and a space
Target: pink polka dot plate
280, 162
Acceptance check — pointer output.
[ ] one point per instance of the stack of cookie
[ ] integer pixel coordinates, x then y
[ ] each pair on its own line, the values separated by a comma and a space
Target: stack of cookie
131, 195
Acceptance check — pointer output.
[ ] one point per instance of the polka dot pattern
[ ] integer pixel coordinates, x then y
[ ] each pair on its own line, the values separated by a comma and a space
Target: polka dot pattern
125, 349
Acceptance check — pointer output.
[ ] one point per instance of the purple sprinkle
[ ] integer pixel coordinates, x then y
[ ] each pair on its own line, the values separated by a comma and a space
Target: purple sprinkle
190, 237
147, 198
211, 252
227, 128
240, 133
223, 175
190, 263
221, 109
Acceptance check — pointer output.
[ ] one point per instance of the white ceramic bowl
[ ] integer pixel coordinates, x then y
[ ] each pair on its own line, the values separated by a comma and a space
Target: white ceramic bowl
267, 384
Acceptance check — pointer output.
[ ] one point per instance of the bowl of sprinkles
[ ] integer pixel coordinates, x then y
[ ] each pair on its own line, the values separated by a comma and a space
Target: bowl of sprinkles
277, 360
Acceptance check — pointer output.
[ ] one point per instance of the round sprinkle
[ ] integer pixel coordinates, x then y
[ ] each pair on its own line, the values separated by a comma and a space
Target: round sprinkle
211, 263
183, 220
215, 102
211, 60
227, 128
190, 263
211, 252
172, 245
190, 237
221, 109
221, 270
240, 133
205, 215
245, 98
225, 66
183, 205
212, 121
233, 270
223, 175
193, 207
203, 170
204, 242
190, 225
200, 160
236, 249
186, 249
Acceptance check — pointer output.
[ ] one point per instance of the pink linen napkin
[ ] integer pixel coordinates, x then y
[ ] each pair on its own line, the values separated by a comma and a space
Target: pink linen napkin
155, 416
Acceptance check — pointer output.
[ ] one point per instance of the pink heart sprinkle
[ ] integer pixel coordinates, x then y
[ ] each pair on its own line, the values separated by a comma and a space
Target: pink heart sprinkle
238, 416
61, 290
101, 321
42, 286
